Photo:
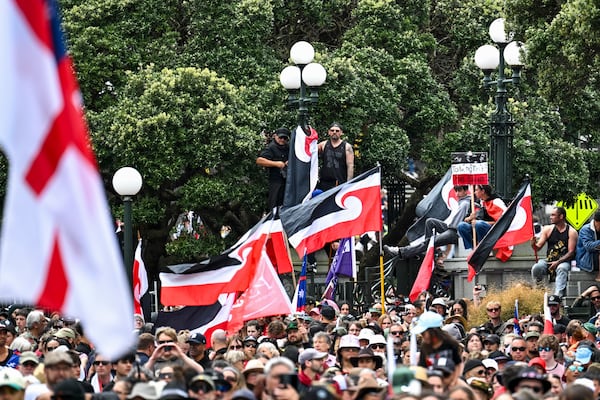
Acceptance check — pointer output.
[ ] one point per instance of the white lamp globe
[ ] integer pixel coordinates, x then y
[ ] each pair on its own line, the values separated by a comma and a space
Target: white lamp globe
487, 57
302, 53
514, 53
314, 74
497, 32
290, 77
127, 181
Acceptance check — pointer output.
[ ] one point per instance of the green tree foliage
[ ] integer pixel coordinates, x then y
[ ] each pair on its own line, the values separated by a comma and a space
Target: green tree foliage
181, 89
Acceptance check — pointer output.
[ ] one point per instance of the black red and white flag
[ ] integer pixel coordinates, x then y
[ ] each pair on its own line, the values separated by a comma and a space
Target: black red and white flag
352, 208
303, 167
515, 226
438, 203
423, 279
201, 319
229, 272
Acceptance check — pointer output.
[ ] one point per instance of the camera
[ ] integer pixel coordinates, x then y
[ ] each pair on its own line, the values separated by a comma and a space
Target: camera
168, 348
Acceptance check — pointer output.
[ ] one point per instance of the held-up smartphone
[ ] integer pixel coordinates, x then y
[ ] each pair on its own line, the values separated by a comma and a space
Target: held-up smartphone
289, 379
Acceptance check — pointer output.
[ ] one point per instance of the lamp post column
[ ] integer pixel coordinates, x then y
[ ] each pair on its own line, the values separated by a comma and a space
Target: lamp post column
501, 136
128, 239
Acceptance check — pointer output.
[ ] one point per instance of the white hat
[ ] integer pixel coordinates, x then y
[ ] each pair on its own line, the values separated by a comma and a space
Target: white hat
349, 341
489, 363
365, 334
377, 339
13, 378
428, 319
438, 302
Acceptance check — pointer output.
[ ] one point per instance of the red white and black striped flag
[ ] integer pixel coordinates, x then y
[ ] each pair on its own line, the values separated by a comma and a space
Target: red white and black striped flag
515, 226
352, 208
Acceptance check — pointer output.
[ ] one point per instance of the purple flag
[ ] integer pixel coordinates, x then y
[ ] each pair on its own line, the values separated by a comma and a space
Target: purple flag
344, 261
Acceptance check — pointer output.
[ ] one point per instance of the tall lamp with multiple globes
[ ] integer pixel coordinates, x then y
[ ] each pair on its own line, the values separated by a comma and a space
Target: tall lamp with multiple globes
303, 80
127, 182
495, 58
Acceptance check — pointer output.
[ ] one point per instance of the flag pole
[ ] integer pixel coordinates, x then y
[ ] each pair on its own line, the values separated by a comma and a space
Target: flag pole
381, 273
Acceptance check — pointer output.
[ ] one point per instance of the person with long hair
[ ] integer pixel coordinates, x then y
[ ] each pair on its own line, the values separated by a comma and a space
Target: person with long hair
437, 344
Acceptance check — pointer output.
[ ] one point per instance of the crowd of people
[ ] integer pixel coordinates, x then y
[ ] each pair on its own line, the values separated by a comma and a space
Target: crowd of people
328, 351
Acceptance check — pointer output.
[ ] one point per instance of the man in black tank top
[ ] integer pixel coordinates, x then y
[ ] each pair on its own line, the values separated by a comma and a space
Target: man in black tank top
562, 241
337, 159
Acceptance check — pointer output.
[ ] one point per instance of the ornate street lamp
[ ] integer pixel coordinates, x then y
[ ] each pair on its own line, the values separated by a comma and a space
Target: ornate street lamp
489, 58
127, 182
302, 80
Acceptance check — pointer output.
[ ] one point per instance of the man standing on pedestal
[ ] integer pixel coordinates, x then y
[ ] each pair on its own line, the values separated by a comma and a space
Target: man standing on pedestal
275, 158
337, 159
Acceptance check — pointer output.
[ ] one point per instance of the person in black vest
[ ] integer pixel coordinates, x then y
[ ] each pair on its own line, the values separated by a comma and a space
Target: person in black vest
275, 158
337, 159
562, 243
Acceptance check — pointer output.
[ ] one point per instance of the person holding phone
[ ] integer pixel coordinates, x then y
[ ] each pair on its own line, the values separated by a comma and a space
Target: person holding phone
168, 353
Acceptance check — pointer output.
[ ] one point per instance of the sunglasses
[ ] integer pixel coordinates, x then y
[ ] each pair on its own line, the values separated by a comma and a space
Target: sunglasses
544, 349
595, 298
250, 345
578, 368
51, 348
101, 362
518, 348
377, 346
535, 389
204, 388
480, 372
396, 333
493, 309
165, 375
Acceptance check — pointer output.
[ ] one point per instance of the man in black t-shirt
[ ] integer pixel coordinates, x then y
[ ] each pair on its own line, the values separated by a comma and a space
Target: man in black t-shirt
275, 158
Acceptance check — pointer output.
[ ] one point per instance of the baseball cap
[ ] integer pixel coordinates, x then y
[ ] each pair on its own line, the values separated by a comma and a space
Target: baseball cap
292, 326
145, 390
197, 338
57, 357
583, 354
554, 299
531, 335
499, 356
282, 132
310, 354
472, 364
538, 361
5, 325
12, 378
28, 356
428, 320
250, 339
489, 363
492, 338
65, 333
